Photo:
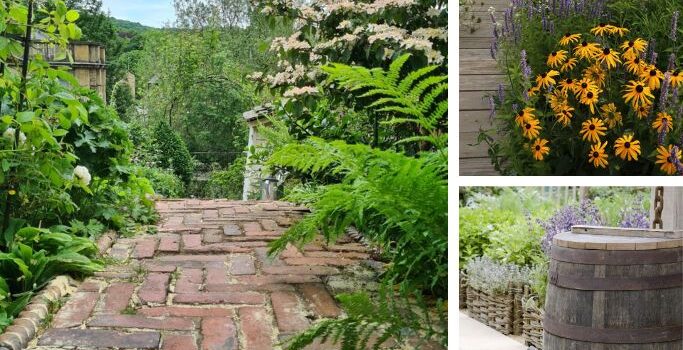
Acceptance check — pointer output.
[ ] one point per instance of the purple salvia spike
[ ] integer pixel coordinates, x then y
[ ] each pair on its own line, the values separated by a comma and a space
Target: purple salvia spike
552, 27
651, 49
654, 57
674, 25
662, 134
492, 107
501, 94
672, 62
675, 160
495, 32
663, 94
493, 18
493, 49
674, 95
525, 93
515, 107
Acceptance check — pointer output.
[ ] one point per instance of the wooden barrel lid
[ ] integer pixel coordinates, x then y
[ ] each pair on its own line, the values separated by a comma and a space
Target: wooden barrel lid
614, 238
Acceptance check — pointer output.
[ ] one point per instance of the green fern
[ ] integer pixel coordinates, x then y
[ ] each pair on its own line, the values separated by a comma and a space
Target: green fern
419, 98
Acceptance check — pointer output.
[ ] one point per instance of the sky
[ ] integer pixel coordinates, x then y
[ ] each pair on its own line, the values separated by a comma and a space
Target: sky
153, 13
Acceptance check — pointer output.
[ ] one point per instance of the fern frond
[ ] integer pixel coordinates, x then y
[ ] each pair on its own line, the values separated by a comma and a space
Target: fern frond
395, 68
414, 76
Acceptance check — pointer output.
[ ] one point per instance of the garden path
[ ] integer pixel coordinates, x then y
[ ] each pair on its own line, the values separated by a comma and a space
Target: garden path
204, 282
475, 335
479, 76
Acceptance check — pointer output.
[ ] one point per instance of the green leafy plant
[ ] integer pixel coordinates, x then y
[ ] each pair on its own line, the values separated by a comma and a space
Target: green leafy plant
227, 183
173, 152
164, 182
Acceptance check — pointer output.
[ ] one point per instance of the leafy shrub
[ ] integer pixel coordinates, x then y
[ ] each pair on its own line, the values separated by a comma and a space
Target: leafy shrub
475, 228
164, 182
519, 243
485, 274
227, 183
122, 100
173, 152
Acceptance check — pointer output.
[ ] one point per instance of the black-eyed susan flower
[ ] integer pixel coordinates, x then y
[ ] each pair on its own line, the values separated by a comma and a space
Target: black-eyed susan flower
643, 111
621, 31
652, 77
611, 115
597, 155
635, 66
609, 57
569, 65
557, 99
556, 58
603, 29
568, 39
638, 94
564, 115
531, 129
544, 80
586, 50
590, 99
539, 148
567, 85
664, 158
583, 86
676, 78
592, 130
633, 48
523, 115
596, 74
663, 119
627, 148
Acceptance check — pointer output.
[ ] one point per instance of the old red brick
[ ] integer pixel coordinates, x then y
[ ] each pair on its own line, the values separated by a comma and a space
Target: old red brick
266, 260
291, 252
226, 211
351, 247
300, 270
251, 226
256, 327
247, 287
139, 321
117, 297
217, 248
145, 248
212, 235
154, 288
319, 300
216, 272
179, 311
242, 210
217, 298
193, 219
219, 333
190, 280
241, 264
210, 214
347, 255
275, 279
319, 261
232, 230
178, 342
100, 338
169, 243
76, 310
269, 225
288, 313
194, 258
192, 240
91, 285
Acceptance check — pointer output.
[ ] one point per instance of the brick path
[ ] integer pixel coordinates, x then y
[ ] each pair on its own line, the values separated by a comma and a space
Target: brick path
205, 282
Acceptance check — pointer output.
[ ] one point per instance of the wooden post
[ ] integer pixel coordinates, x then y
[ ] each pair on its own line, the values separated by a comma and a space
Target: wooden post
672, 214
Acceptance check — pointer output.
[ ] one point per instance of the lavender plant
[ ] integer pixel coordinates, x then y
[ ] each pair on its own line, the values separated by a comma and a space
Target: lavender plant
583, 213
487, 275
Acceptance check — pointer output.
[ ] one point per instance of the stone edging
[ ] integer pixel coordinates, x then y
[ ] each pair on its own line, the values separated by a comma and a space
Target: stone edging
29, 321
27, 324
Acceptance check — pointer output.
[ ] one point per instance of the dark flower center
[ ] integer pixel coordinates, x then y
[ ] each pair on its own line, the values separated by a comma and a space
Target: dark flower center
627, 145
669, 160
538, 148
653, 73
554, 53
639, 88
676, 72
521, 113
584, 85
606, 51
596, 154
589, 94
592, 127
567, 35
527, 126
584, 43
543, 75
636, 61
630, 43
602, 25
570, 81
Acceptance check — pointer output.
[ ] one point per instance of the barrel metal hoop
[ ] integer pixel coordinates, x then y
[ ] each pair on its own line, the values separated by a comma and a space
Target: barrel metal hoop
617, 257
613, 335
615, 284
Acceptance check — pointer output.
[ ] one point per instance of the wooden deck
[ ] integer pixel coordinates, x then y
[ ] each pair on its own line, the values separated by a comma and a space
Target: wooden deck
479, 76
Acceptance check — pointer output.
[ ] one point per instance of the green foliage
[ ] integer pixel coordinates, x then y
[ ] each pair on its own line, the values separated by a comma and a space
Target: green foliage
475, 228
371, 322
164, 182
519, 243
173, 152
227, 183
398, 202
122, 100
92, 229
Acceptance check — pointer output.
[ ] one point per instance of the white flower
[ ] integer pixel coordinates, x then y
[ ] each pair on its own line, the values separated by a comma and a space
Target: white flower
267, 10
345, 24
296, 91
82, 174
10, 133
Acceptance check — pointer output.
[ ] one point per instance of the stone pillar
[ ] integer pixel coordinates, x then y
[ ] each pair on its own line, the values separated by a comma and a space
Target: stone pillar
672, 213
252, 172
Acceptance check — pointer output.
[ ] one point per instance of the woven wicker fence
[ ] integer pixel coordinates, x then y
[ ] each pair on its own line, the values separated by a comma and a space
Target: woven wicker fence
463, 290
502, 311
532, 316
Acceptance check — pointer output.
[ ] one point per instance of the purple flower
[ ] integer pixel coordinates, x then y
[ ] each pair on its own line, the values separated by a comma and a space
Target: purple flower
674, 25
635, 216
672, 62
584, 213
501, 94
551, 27
508, 18
495, 32
675, 160
526, 70
662, 134
530, 11
653, 59
651, 49
663, 94
492, 107
494, 49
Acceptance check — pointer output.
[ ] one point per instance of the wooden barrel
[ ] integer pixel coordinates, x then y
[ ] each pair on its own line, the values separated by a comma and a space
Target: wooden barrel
615, 289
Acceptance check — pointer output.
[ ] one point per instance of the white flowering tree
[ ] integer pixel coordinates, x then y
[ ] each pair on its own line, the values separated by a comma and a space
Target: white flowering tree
364, 33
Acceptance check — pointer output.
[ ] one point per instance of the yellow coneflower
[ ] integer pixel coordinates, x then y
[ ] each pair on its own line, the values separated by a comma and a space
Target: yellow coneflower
676, 78
603, 29
531, 129
567, 85
564, 115
597, 155
590, 99
556, 58
546, 79
569, 65
633, 48
539, 148
533, 91
663, 117
586, 50
609, 57
557, 99
583, 86
610, 114
568, 39
664, 158
592, 130
652, 77
638, 93
523, 115
635, 66
621, 31
643, 111
627, 148
596, 74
